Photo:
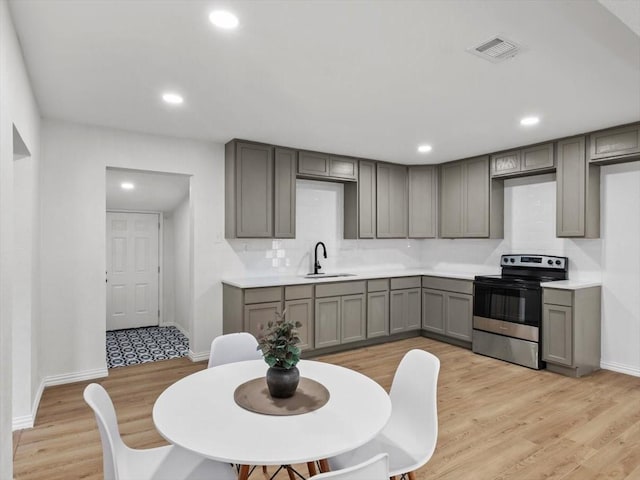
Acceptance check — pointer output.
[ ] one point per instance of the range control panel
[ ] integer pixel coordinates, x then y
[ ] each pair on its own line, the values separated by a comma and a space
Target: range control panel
534, 261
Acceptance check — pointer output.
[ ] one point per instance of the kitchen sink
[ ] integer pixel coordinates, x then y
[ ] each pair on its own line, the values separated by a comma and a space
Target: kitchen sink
329, 275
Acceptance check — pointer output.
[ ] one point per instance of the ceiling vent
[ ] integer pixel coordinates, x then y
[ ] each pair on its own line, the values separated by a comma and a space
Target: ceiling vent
496, 49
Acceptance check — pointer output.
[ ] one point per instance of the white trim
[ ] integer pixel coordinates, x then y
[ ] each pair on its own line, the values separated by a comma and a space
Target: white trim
75, 377
20, 423
198, 357
620, 368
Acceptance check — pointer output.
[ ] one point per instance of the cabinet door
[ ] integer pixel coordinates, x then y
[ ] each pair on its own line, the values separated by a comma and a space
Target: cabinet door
505, 163
258, 315
458, 315
476, 198
354, 319
346, 168
397, 309
312, 163
327, 322
451, 187
539, 157
302, 311
413, 307
377, 314
391, 201
285, 193
422, 201
367, 200
616, 143
557, 334
570, 188
433, 304
254, 190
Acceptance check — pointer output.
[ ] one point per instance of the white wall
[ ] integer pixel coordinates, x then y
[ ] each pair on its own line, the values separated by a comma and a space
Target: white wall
168, 275
17, 107
621, 267
182, 262
73, 232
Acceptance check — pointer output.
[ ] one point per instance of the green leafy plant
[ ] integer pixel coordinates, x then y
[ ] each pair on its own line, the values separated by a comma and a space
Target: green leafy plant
278, 344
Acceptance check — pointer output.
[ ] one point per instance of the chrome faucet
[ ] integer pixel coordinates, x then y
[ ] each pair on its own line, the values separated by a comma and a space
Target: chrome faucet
316, 263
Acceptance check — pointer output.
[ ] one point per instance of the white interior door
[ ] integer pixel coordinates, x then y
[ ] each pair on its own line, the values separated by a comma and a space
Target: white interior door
132, 270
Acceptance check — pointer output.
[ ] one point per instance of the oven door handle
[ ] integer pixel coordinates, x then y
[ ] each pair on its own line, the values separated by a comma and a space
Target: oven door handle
503, 285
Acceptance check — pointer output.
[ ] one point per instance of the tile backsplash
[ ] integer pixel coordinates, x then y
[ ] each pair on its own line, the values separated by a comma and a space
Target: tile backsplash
530, 205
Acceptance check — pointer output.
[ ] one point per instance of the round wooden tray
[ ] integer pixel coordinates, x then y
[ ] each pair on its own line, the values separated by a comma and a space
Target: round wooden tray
254, 396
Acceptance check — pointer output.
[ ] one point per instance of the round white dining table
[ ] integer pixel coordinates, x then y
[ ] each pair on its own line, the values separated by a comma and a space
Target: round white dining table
199, 413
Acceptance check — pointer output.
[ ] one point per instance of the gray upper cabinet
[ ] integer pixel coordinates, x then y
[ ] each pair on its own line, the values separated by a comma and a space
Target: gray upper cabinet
249, 190
471, 204
615, 145
423, 187
577, 191
325, 166
367, 199
525, 161
285, 193
391, 207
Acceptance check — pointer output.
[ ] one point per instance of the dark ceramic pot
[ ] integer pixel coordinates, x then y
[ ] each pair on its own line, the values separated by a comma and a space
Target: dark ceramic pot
282, 382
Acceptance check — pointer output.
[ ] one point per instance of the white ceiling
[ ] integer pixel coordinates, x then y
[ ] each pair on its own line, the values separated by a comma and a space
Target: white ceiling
365, 78
157, 192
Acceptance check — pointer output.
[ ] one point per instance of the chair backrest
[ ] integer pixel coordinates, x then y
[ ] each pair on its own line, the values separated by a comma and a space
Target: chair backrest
112, 445
414, 403
233, 347
376, 468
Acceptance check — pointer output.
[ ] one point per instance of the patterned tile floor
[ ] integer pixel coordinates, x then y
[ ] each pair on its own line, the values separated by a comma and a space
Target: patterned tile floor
142, 345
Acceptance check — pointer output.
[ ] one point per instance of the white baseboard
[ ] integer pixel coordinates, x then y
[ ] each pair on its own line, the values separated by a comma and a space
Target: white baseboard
75, 377
620, 368
198, 357
27, 421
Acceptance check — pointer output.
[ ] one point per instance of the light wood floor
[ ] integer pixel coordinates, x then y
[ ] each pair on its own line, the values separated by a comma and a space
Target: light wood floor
496, 420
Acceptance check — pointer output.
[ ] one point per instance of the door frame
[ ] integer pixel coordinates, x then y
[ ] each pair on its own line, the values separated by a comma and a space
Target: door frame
160, 257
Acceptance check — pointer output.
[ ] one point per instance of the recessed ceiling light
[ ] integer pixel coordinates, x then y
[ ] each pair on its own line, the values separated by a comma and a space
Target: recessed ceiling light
172, 98
527, 121
127, 186
223, 19
424, 148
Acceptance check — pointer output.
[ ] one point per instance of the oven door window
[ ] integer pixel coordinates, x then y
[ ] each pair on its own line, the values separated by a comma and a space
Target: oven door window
518, 305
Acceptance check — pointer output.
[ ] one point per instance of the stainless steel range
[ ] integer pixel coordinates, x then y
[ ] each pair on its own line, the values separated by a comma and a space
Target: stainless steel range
507, 308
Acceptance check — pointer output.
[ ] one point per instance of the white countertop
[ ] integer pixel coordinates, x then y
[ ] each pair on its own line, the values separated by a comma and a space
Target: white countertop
274, 281
571, 284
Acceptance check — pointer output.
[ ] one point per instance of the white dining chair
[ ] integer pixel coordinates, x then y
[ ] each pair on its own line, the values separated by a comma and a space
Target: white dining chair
162, 463
376, 468
410, 436
233, 347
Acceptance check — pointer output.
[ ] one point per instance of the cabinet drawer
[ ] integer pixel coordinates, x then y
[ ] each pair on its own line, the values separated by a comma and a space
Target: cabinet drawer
381, 285
295, 292
557, 297
260, 295
405, 282
346, 168
618, 142
340, 288
448, 284
311, 163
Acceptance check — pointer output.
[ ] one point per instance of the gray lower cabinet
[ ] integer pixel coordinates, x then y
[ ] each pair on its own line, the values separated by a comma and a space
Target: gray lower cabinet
423, 188
571, 330
405, 304
260, 191
615, 145
447, 307
577, 191
257, 316
340, 313
524, 161
471, 204
301, 310
391, 201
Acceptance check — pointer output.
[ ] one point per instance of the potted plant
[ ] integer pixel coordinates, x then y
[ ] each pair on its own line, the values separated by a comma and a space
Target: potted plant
280, 351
